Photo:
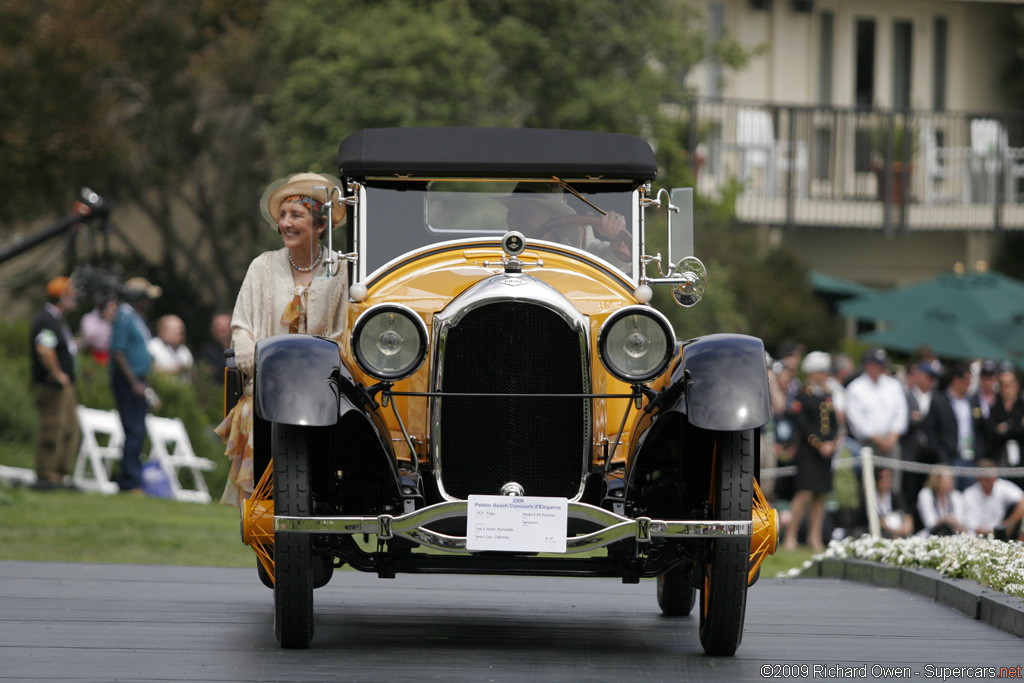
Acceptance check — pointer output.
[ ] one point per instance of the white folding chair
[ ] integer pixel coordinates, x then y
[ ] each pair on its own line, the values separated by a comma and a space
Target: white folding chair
988, 147
941, 164
18, 475
101, 446
1014, 172
171, 447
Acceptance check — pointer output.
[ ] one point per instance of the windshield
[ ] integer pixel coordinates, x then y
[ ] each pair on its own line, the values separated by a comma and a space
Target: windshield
401, 216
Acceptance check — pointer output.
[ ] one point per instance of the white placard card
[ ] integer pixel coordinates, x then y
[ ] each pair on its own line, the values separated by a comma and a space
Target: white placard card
527, 524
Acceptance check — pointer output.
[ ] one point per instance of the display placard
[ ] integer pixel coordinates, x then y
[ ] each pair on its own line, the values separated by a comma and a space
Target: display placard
524, 524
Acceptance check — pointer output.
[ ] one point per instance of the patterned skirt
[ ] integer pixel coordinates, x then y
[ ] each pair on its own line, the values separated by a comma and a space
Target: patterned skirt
236, 432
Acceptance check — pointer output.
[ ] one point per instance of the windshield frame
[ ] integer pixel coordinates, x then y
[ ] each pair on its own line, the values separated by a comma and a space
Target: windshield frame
371, 192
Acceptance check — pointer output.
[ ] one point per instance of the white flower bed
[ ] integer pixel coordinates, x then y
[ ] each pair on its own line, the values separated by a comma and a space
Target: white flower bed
996, 564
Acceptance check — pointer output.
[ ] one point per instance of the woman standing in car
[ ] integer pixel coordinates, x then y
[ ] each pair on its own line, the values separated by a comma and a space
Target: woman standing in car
286, 291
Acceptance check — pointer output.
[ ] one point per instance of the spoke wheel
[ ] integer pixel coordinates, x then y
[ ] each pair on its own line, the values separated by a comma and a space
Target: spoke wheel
258, 525
293, 553
676, 595
723, 595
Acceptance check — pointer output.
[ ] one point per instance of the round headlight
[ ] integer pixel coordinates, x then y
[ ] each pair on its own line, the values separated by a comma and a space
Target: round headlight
636, 344
389, 341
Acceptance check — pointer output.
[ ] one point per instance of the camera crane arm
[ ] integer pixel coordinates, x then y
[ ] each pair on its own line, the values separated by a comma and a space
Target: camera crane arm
91, 206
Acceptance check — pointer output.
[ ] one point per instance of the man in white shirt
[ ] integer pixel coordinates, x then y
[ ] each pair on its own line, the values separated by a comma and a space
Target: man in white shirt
168, 348
876, 409
991, 502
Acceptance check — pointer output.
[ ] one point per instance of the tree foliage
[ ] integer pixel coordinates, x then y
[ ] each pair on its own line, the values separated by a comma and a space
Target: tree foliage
154, 105
183, 112
344, 66
583, 64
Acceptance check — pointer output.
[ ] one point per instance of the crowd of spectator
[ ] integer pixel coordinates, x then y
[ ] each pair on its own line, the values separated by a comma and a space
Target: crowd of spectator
116, 333
938, 434
166, 343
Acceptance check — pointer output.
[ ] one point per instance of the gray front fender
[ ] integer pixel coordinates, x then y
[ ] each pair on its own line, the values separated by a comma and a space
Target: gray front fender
295, 380
726, 383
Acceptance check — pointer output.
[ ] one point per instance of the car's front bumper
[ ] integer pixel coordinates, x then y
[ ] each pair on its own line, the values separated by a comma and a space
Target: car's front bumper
412, 526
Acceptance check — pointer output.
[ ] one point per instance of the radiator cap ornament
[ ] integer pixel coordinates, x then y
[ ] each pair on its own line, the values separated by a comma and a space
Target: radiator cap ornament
513, 243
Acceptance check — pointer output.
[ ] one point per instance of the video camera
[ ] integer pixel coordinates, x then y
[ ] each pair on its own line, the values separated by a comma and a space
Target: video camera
98, 284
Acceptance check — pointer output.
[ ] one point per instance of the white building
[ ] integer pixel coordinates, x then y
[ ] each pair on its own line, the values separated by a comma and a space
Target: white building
810, 125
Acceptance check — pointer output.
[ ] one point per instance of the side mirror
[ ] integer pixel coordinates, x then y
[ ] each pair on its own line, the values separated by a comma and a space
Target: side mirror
680, 225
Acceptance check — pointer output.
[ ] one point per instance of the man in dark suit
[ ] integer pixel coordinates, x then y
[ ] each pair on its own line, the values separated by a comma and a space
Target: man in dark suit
950, 424
920, 390
982, 401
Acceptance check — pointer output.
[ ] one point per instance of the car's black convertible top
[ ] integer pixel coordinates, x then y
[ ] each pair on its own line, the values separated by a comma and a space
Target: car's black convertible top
496, 152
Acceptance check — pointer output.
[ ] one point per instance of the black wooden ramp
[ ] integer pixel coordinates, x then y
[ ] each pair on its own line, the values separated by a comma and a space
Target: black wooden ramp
90, 622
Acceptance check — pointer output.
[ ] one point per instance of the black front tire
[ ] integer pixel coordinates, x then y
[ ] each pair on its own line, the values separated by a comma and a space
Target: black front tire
293, 553
676, 595
723, 595
323, 570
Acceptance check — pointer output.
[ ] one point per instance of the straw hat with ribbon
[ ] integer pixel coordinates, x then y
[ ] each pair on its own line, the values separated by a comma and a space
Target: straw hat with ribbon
316, 186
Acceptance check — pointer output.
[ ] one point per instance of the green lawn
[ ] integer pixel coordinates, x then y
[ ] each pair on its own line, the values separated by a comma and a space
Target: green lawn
83, 527
784, 560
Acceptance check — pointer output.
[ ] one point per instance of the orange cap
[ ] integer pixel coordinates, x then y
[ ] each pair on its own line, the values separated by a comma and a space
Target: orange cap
57, 286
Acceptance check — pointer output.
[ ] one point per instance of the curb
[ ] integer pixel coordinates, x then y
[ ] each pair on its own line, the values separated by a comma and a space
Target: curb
1005, 612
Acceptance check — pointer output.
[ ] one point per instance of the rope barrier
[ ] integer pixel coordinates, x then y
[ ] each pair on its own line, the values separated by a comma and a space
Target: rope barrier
855, 460
867, 460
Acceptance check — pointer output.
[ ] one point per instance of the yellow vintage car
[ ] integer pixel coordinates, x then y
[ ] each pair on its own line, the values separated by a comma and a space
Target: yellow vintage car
505, 400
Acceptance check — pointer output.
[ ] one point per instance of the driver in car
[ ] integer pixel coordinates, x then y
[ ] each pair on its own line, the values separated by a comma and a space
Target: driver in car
537, 210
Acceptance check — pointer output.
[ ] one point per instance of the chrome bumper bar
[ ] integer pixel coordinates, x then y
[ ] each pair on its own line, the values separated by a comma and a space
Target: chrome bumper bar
411, 527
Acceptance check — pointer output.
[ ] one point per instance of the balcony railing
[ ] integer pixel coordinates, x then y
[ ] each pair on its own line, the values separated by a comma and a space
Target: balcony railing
885, 170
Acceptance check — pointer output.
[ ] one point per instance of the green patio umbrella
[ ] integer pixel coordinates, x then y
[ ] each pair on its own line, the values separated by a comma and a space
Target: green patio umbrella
942, 330
976, 299
837, 287
1008, 334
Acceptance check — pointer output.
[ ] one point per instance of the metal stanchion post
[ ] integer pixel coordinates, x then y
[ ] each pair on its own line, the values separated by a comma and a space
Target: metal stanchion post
870, 495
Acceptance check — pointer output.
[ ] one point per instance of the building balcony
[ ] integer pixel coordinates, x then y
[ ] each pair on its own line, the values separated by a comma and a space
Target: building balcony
894, 172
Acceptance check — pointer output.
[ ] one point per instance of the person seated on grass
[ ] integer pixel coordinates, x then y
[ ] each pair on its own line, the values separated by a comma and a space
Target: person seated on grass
993, 505
894, 518
940, 505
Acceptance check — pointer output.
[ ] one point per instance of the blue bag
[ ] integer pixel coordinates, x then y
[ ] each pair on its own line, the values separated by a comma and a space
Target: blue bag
155, 482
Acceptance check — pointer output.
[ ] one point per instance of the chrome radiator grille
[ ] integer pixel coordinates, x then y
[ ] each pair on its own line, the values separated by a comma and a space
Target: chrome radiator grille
540, 442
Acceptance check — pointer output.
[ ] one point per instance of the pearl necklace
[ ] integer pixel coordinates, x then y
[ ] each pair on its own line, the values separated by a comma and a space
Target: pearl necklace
311, 267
